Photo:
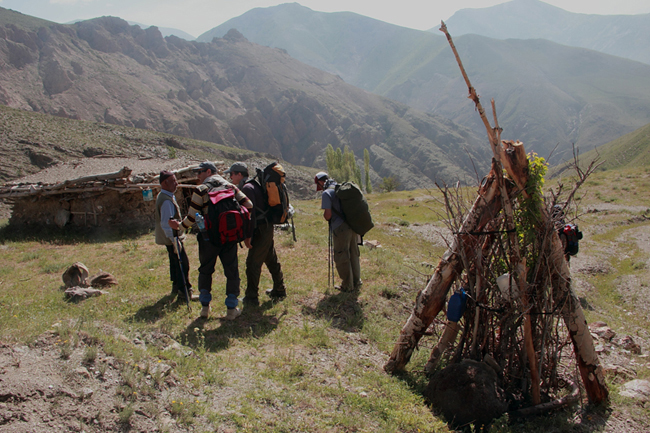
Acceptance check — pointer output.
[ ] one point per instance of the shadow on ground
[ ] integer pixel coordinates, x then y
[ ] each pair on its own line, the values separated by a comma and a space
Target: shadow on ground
155, 312
342, 309
254, 322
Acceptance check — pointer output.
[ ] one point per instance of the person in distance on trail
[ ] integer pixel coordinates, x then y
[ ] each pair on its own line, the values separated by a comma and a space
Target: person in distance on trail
262, 245
209, 251
167, 209
346, 248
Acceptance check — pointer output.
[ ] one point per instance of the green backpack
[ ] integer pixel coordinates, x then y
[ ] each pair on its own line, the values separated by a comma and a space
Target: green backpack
354, 206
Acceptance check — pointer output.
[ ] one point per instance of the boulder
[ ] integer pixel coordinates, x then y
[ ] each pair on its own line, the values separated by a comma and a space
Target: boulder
76, 275
467, 393
637, 389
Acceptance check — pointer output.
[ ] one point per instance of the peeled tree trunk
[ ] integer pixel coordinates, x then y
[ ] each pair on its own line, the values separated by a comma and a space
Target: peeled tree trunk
431, 299
591, 371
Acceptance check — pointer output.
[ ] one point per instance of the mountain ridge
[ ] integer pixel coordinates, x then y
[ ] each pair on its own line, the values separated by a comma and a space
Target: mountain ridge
546, 94
229, 91
625, 36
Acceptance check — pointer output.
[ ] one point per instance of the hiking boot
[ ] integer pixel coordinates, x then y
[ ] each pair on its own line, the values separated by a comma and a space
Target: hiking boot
276, 295
181, 296
205, 311
233, 313
251, 302
343, 289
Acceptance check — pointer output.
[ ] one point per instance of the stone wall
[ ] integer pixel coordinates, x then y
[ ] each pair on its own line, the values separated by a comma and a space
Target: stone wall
105, 209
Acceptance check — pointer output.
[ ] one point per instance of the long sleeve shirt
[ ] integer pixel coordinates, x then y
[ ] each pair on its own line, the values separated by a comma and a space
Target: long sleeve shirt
200, 199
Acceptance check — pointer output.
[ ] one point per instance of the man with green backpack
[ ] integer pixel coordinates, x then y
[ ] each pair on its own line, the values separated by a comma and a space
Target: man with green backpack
346, 210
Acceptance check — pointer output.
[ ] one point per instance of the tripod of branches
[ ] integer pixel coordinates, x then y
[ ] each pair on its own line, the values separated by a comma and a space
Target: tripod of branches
507, 255
492, 327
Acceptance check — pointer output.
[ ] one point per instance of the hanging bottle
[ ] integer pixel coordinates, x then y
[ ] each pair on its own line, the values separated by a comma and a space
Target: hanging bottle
200, 221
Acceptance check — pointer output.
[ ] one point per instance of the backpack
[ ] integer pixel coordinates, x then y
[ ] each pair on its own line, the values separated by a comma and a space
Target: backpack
227, 220
271, 179
354, 207
573, 235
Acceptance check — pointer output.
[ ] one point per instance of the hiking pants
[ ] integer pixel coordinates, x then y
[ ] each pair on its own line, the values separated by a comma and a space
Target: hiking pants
263, 252
175, 274
346, 257
208, 253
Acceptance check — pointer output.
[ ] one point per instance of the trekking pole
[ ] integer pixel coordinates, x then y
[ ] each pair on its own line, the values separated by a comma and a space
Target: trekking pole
329, 251
293, 229
180, 264
332, 261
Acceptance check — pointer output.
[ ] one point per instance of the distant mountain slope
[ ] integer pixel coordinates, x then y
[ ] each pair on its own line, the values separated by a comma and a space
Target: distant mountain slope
546, 94
619, 35
342, 43
166, 31
10, 16
231, 92
630, 150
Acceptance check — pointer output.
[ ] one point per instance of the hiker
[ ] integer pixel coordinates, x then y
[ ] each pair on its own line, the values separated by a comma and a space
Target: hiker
210, 250
238, 174
262, 249
569, 233
166, 210
345, 240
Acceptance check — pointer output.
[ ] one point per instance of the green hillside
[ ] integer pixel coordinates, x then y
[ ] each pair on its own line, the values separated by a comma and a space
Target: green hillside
630, 151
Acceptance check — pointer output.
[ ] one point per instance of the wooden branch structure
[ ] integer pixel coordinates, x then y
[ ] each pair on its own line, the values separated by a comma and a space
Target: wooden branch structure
523, 339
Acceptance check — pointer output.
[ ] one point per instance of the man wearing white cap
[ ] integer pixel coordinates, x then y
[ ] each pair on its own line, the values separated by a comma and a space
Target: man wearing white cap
346, 249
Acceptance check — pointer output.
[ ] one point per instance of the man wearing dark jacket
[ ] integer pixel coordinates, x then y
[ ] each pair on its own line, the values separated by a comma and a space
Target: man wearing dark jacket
209, 251
262, 244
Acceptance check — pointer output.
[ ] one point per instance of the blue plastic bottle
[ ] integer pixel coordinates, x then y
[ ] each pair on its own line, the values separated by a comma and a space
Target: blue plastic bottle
200, 221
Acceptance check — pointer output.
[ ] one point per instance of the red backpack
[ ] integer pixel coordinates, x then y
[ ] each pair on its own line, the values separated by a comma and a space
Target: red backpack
573, 235
227, 220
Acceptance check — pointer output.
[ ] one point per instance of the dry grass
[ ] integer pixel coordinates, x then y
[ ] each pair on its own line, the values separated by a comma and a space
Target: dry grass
314, 361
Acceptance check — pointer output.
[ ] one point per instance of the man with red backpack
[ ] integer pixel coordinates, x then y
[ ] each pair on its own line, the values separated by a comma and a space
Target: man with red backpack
569, 233
214, 247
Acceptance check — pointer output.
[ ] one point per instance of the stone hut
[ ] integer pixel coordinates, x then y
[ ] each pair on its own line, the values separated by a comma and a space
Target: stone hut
112, 200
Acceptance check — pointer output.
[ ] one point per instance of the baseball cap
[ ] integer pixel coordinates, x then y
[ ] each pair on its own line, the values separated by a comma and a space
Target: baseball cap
237, 167
204, 166
321, 175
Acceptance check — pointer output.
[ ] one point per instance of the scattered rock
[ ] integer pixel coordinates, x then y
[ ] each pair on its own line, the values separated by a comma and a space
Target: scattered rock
604, 332
627, 343
637, 389
82, 371
618, 370
76, 275
372, 244
103, 279
76, 294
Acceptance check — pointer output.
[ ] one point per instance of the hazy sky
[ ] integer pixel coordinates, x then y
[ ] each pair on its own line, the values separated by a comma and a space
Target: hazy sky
198, 16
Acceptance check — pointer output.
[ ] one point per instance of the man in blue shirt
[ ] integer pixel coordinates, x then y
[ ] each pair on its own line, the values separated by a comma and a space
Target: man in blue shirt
346, 248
